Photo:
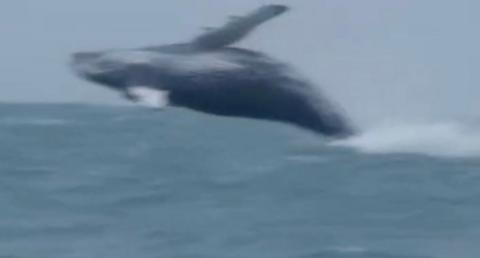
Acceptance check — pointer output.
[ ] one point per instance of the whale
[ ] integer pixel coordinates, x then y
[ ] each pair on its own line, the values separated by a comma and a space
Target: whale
210, 74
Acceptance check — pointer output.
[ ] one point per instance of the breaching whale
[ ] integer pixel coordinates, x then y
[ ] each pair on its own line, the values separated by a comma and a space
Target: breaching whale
207, 74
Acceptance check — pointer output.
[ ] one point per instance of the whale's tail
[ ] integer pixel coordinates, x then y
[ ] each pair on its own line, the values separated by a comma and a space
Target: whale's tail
237, 28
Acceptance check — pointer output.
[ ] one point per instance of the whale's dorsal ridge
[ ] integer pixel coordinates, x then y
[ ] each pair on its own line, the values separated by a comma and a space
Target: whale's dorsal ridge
237, 28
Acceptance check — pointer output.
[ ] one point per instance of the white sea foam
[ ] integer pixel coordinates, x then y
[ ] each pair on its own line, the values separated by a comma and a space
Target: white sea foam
442, 139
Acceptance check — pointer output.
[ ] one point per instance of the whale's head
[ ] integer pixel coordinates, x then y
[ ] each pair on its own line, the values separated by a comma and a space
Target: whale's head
101, 68
118, 69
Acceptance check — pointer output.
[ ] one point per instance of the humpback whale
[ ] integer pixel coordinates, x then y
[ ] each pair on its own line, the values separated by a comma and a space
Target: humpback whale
208, 74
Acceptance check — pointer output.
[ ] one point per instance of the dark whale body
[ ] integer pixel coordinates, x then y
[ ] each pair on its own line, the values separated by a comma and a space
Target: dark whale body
264, 90
217, 79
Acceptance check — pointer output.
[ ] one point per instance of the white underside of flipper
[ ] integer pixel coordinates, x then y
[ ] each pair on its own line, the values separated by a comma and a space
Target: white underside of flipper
148, 97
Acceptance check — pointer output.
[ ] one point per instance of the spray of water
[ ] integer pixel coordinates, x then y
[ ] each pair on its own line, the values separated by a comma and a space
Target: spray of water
447, 139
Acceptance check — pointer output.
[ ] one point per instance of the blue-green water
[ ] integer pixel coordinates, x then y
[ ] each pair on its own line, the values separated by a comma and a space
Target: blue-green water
86, 181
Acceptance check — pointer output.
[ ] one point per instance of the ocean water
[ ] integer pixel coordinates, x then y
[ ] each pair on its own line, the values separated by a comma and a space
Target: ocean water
81, 181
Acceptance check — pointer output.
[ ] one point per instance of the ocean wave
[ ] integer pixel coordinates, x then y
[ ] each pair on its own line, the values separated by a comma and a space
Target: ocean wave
33, 122
439, 139
357, 252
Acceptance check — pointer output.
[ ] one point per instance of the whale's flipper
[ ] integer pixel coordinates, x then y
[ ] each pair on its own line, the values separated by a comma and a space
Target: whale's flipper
148, 97
237, 28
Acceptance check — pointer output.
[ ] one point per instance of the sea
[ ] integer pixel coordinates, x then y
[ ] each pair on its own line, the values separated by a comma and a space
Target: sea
92, 181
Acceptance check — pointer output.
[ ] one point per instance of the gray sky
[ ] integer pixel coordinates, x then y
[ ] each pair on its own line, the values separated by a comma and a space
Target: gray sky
378, 58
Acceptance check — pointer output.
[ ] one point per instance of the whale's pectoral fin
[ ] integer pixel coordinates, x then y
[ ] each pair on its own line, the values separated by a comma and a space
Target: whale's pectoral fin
147, 96
237, 28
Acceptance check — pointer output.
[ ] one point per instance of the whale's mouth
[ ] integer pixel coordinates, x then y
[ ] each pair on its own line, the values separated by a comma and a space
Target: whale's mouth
81, 63
93, 67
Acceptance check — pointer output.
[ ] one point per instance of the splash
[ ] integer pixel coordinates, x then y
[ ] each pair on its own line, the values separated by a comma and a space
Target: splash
444, 139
